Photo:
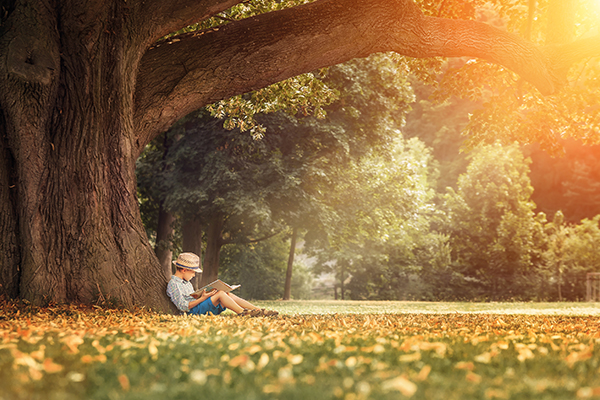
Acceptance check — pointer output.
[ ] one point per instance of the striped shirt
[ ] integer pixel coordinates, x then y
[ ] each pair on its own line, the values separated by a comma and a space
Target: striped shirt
179, 291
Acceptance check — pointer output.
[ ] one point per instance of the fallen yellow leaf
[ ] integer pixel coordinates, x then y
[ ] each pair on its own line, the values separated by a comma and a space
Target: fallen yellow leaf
424, 373
262, 361
468, 365
473, 377
124, 382
51, 367
410, 357
400, 384
240, 360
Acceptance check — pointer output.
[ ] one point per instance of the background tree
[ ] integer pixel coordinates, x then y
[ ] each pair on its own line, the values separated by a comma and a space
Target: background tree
158, 222
231, 183
557, 232
569, 182
86, 86
440, 126
271, 182
580, 257
374, 97
382, 207
570, 255
260, 268
494, 234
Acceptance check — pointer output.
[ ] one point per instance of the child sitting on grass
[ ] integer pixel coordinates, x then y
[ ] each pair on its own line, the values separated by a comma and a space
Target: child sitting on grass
215, 301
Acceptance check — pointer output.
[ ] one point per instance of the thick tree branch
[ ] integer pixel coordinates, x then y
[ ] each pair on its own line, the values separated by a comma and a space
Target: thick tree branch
563, 56
178, 78
459, 38
198, 69
162, 17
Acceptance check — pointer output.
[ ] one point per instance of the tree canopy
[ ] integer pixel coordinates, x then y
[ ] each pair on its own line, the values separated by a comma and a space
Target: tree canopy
252, 188
294, 41
87, 84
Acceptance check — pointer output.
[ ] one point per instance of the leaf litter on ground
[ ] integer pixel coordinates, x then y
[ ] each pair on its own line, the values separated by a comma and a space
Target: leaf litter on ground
70, 352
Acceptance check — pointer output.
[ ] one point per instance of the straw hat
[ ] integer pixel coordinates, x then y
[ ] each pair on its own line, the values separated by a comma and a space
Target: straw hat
189, 261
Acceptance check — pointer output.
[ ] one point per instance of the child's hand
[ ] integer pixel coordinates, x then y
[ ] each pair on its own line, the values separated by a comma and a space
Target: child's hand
204, 295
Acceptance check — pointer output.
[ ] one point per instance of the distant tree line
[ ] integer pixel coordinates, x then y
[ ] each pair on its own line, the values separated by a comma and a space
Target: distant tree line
380, 195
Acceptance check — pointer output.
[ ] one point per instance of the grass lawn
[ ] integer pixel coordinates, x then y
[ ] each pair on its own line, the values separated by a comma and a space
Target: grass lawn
426, 307
313, 350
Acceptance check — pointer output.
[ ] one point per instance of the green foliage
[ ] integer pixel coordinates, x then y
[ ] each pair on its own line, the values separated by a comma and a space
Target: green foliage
440, 125
217, 171
304, 94
260, 268
571, 254
302, 282
570, 183
371, 215
494, 234
384, 209
240, 11
201, 169
566, 183
149, 193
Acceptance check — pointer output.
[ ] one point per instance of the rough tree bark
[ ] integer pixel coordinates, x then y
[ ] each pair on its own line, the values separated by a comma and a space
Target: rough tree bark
84, 87
9, 246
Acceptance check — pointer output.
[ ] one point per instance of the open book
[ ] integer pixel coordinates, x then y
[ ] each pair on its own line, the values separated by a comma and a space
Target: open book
218, 284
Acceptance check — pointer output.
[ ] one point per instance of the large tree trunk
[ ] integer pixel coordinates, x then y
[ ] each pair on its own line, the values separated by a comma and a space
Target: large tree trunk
67, 102
191, 231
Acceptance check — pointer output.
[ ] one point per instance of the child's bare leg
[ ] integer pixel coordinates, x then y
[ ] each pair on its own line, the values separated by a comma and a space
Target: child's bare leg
242, 302
226, 301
